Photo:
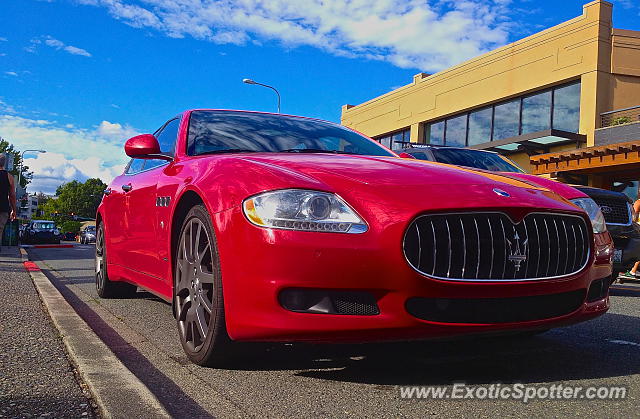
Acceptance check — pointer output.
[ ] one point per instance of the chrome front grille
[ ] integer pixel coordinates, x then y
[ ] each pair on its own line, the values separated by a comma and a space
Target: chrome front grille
615, 211
489, 246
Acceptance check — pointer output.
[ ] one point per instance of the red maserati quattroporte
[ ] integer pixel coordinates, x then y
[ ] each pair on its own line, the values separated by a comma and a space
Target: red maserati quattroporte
262, 227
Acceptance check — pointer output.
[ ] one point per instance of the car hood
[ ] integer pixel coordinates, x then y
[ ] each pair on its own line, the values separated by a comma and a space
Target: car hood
408, 183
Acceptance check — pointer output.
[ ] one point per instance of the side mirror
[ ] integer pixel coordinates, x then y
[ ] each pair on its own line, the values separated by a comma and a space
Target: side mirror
406, 155
145, 146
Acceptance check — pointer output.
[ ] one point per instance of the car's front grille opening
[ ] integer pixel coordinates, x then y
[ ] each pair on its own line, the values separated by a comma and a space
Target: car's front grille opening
598, 289
615, 211
354, 303
489, 246
495, 310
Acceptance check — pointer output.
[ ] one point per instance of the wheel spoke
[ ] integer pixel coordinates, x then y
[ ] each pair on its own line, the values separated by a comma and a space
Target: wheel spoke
207, 249
196, 243
205, 303
202, 324
205, 277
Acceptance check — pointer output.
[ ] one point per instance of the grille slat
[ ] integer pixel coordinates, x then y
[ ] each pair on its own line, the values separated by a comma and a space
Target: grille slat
489, 246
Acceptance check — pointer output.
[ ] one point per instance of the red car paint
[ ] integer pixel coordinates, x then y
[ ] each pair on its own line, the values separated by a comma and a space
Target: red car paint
257, 263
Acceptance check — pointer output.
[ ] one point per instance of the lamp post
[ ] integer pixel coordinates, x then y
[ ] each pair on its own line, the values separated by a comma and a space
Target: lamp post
21, 157
249, 81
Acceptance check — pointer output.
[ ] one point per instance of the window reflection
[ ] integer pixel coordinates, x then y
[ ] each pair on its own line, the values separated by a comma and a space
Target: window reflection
456, 131
566, 108
480, 126
506, 120
536, 112
434, 133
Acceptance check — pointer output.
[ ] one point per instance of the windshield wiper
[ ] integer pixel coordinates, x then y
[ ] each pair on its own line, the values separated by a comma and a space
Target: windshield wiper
229, 150
313, 150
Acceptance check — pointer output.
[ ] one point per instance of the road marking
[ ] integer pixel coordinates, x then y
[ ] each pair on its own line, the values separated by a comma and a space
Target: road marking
623, 342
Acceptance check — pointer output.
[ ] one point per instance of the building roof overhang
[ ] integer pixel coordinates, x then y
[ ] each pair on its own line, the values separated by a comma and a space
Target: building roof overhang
606, 158
533, 143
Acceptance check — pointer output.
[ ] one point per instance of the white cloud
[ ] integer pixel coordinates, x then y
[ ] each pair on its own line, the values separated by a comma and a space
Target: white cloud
56, 44
11, 73
429, 35
72, 153
2, 39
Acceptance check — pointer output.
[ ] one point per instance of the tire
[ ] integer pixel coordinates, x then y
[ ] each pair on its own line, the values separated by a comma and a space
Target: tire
197, 293
104, 286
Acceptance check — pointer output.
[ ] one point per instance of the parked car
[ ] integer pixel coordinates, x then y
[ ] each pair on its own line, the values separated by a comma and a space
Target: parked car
621, 220
69, 236
40, 231
88, 234
616, 207
261, 227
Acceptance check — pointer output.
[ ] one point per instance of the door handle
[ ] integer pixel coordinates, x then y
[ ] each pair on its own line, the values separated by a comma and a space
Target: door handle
127, 187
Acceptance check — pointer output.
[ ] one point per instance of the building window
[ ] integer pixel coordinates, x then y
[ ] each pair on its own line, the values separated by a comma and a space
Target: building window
506, 120
558, 108
396, 140
536, 112
566, 108
480, 126
456, 131
434, 133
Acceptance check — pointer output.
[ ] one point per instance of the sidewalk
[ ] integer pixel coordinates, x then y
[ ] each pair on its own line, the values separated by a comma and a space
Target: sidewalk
36, 377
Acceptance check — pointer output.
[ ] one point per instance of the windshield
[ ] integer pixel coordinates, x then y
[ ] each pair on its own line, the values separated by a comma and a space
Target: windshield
91, 228
224, 131
44, 225
476, 159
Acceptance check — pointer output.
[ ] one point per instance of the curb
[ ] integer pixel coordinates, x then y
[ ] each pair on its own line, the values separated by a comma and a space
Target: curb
116, 390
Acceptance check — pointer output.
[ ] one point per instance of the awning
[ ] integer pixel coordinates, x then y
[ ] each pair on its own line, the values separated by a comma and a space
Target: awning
606, 158
533, 143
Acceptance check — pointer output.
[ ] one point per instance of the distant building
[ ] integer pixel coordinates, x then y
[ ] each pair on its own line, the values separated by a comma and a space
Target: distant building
28, 206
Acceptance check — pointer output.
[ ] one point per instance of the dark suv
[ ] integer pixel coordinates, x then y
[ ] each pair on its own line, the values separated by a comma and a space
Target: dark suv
615, 206
40, 231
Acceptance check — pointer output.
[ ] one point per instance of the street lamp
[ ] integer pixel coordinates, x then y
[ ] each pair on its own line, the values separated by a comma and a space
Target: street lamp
21, 157
249, 81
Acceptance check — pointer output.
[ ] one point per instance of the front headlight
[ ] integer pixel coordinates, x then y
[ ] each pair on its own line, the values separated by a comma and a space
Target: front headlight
305, 210
56, 232
593, 211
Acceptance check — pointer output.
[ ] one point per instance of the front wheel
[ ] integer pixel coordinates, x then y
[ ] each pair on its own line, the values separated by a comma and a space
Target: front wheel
104, 286
198, 300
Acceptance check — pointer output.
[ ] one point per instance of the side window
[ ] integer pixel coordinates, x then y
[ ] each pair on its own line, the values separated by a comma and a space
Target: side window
135, 166
167, 139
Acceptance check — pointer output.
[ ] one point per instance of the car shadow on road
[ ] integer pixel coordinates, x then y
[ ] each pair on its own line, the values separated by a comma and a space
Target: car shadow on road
585, 351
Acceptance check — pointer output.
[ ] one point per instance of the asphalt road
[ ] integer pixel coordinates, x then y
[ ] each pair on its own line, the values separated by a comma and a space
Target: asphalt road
360, 380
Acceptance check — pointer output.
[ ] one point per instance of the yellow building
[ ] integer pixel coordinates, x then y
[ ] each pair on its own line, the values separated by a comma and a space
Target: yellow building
563, 102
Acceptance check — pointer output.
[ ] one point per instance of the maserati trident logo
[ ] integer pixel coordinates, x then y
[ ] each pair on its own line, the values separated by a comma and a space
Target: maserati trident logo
517, 251
501, 192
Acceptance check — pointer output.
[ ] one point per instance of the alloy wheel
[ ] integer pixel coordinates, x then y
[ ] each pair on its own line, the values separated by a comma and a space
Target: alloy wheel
194, 284
100, 259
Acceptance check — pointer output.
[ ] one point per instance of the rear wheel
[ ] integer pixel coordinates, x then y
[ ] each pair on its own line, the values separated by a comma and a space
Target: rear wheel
104, 286
198, 300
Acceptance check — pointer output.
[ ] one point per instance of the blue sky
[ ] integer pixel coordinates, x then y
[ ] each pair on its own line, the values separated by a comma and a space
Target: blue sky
77, 77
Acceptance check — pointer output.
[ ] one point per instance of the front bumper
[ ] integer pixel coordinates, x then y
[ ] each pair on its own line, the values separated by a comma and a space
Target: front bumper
258, 264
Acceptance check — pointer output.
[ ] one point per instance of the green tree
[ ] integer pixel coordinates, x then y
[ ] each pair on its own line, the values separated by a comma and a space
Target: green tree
75, 199
6, 147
